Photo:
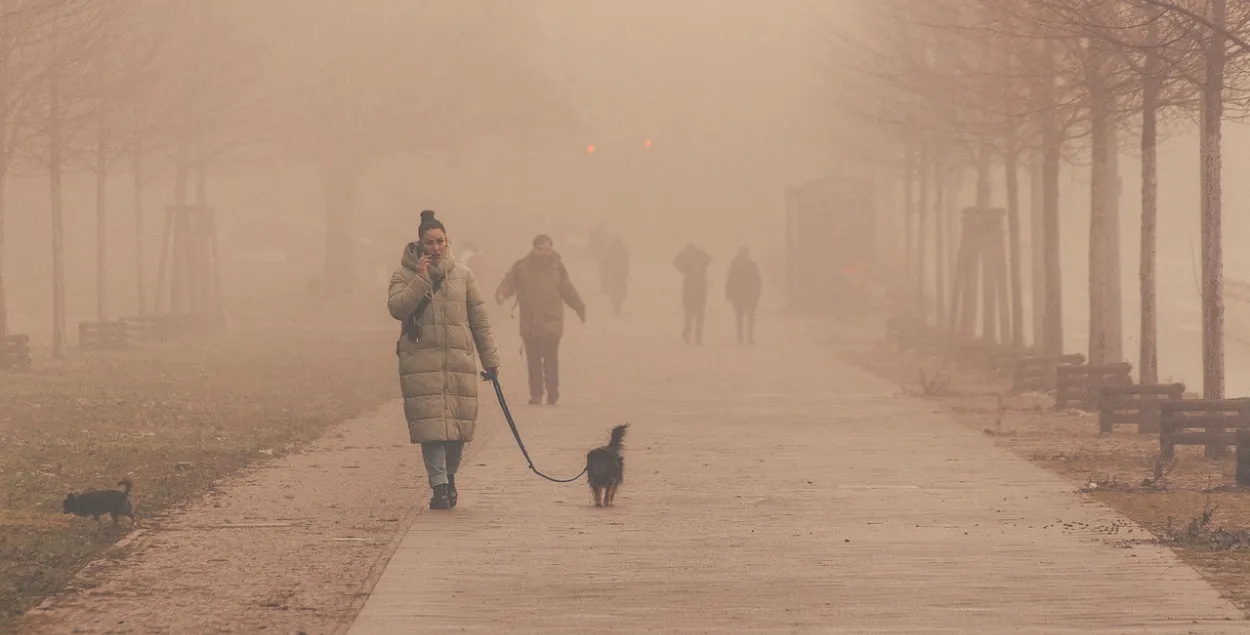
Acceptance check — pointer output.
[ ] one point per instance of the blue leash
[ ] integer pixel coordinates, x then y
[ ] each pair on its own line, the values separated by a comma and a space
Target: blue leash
503, 403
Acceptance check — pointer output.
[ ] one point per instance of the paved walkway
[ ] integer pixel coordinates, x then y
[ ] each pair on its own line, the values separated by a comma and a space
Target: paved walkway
768, 490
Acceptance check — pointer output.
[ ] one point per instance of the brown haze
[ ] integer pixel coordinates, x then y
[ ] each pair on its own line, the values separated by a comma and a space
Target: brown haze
482, 112
485, 115
317, 130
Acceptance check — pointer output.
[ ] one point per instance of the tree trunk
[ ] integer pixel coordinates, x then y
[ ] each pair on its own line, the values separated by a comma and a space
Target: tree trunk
1013, 243
1212, 252
101, 180
956, 180
4, 307
178, 300
1113, 305
989, 242
984, 153
939, 246
196, 216
1100, 116
5, 114
137, 169
1012, 278
339, 179
1148, 364
983, 159
58, 220
210, 283
909, 203
922, 212
1052, 146
1037, 285
101, 241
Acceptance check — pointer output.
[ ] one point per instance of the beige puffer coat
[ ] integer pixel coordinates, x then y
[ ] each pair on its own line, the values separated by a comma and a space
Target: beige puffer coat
437, 371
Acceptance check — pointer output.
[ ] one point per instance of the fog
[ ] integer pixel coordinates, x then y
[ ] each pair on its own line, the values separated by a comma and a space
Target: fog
486, 113
221, 192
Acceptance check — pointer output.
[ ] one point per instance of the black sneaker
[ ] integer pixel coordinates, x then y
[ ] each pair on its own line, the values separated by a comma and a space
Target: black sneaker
552, 399
536, 401
439, 500
451, 490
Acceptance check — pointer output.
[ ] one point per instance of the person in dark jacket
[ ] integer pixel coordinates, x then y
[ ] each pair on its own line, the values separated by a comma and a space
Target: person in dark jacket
742, 289
693, 263
542, 287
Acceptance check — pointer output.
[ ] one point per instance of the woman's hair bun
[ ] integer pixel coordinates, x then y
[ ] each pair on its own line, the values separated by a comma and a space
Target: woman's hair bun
427, 215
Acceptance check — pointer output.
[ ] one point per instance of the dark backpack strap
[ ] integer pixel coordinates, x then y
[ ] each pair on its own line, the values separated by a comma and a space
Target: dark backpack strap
409, 327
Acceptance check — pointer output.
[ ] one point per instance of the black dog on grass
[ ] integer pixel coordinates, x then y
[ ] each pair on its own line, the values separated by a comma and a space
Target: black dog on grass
605, 468
100, 502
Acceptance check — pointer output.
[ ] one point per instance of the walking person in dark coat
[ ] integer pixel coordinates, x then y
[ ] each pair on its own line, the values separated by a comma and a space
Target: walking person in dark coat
693, 263
742, 289
542, 287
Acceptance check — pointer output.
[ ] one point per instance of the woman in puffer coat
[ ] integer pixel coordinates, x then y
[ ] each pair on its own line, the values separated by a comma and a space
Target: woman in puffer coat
444, 321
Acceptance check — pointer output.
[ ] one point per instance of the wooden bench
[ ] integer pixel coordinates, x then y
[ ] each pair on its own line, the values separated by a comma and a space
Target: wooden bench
15, 352
1035, 372
102, 335
1083, 384
1207, 422
1134, 404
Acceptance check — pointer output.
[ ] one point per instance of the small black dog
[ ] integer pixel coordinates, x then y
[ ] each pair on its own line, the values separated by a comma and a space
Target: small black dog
99, 502
605, 468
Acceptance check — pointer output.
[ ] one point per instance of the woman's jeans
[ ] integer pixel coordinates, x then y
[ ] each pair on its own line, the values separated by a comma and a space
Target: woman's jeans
441, 459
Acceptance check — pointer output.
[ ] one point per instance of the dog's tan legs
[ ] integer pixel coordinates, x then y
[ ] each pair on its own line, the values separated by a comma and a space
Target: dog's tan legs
598, 494
609, 495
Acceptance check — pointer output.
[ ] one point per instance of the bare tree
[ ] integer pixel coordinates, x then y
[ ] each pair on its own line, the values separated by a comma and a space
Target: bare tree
121, 77
1087, 67
71, 30
1219, 37
1158, 53
20, 77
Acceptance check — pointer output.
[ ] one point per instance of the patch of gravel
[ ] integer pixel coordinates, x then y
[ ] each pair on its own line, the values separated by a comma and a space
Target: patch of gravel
291, 545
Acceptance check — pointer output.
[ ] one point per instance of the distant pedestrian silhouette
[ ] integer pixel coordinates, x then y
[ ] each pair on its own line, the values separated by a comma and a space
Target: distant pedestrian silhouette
693, 263
742, 289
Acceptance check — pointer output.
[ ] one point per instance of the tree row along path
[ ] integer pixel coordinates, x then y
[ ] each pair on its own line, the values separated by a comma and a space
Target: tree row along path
769, 489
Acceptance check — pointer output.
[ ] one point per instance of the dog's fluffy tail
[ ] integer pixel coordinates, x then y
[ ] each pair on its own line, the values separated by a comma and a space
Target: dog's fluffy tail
126, 485
618, 436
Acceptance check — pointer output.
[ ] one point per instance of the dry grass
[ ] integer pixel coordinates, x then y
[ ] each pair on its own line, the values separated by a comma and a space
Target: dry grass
174, 419
1189, 503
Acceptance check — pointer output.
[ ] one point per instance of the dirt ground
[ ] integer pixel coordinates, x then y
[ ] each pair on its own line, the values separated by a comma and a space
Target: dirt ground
175, 419
285, 547
1189, 503
268, 505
